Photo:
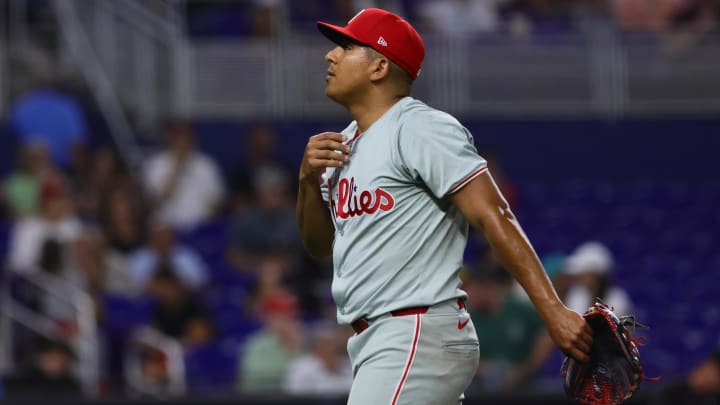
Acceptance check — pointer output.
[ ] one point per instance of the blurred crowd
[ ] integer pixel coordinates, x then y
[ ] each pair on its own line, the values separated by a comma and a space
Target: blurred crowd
131, 237
82, 219
682, 20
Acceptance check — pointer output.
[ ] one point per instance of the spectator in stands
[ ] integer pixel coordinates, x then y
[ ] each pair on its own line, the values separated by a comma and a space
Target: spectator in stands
692, 22
179, 314
459, 18
266, 18
22, 186
510, 331
48, 115
644, 15
164, 249
264, 361
56, 224
101, 273
49, 376
700, 386
123, 223
259, 152
107, 176
325, 370
268, 230
184, 184
591, 265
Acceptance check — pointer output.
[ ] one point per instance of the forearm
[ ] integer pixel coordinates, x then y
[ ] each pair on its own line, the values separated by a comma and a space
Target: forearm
515, 252
316, 227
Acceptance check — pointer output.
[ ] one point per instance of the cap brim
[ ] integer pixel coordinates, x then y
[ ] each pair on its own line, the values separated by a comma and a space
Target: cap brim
337, 34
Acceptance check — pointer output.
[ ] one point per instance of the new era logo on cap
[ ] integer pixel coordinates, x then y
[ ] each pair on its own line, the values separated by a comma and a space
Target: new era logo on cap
385, 32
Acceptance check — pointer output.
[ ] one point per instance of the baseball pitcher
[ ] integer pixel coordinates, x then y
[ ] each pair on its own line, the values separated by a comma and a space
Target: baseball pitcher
390, 198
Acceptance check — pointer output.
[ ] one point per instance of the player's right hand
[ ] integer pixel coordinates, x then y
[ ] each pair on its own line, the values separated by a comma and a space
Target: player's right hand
572, 334
323, 150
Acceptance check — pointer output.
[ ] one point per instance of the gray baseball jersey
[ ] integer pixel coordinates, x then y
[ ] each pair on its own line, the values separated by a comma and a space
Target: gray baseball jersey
399, 241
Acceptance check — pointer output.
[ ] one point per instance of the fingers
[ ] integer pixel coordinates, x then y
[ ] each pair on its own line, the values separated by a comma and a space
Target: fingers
578, 355
326, 150
586, 334
329, 140
577, 337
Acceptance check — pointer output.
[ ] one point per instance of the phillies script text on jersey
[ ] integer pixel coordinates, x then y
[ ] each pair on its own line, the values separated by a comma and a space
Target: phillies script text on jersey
349, 205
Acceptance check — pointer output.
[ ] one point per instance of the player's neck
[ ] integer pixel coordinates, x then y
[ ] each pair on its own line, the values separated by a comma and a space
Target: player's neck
369, 111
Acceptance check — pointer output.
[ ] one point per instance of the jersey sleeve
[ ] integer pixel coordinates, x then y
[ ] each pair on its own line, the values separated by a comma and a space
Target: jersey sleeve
437, 150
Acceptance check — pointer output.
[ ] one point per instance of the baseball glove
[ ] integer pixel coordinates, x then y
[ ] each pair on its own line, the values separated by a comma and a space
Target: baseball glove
614, 371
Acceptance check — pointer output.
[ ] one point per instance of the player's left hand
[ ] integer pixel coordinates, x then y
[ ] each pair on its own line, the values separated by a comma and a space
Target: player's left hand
571, 333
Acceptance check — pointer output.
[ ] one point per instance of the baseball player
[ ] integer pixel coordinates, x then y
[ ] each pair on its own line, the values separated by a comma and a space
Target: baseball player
390, 199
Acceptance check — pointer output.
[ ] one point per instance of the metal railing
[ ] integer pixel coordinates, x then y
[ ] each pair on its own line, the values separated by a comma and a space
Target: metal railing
84, 343
596, 74
104, 86
144, 68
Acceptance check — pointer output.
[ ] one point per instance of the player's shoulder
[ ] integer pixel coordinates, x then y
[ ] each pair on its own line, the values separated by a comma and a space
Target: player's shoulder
417, 115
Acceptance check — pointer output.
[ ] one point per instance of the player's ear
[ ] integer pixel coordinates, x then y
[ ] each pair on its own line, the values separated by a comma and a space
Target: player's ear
379, 68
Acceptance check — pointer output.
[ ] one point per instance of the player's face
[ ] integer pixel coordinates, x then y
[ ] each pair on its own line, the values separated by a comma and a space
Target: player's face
347, 74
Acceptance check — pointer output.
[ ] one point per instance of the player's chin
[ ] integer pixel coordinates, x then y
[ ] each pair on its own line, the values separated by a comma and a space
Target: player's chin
332, 93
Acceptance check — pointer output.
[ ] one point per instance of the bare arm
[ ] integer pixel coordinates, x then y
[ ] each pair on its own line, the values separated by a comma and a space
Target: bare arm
316, 227
484, 207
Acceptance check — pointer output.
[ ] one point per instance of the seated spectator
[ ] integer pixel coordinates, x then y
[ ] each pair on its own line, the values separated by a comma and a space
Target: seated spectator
163, 248
266, 18
511, 334
56, 223
644, 15
700, 386
22, 186
459, 18
259, 153
178, 313
591, 265
269, 229
184, 184
692, 22
49, 376
107, 176
123, 224
101, 273
53, 117
325, 370
265, 358
122, 218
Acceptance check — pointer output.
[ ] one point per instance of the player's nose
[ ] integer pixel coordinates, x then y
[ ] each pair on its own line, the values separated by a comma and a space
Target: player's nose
331, 56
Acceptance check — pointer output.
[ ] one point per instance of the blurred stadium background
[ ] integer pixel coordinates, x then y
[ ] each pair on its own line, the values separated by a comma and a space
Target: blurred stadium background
148, 151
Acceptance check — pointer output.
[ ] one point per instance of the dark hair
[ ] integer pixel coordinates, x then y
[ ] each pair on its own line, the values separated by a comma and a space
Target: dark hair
46, 345
164, 272
51, 256
396, 72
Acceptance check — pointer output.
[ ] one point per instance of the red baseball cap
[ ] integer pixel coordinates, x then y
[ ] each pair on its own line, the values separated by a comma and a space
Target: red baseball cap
384, 32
